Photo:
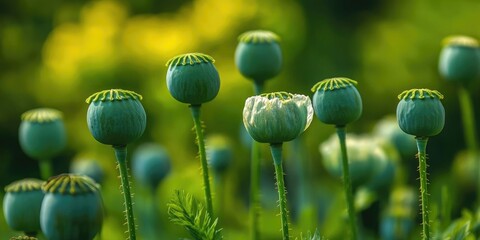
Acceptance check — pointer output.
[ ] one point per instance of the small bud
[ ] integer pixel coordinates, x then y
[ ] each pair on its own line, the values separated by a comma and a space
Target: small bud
192, 78
89, 168
258, 55
336, 101
42, 133
22, 203
420, 112
460, 59
219, 152
116, 117
277, 117
150, 164
72, 208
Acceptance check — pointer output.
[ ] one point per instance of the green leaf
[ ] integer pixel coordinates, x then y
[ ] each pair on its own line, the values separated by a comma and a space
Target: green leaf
315, 236
186, 211
460, 228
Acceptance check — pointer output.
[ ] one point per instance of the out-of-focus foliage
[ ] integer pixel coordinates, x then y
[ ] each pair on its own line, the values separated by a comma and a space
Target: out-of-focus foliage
57, 53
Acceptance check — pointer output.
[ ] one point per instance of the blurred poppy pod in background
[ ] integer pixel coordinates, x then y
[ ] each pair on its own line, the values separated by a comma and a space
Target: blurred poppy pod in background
192, 78
42, 133
150, 164
460, 59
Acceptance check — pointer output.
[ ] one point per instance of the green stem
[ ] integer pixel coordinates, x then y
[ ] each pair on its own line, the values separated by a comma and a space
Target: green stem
45, 168
422, 158
469, 129
121, 155
468, 118
255, 167
282, 198
220, 192
195, 109
347, 185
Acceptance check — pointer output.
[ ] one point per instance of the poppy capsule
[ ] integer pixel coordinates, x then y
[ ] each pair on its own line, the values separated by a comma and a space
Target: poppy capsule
192, 78
336, 101
21, 205
72, 208
116, 117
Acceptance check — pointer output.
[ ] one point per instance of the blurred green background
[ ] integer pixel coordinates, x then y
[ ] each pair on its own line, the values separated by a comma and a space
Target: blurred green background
56, 53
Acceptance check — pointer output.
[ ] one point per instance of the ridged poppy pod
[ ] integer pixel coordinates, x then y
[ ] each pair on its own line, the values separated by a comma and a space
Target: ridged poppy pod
42, 133
336, 101
277, 117
116, 117
258, 55
89, 168
21, 205
460, 59
420, 112
150, 164
192, 78
219, 153
72, 208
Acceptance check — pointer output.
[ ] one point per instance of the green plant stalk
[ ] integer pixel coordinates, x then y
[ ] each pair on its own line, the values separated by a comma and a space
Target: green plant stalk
422, 158
469, 129
468, 118
347, 185
220, 193
255, 167
45, 166
195, 109
276, 149
121, 155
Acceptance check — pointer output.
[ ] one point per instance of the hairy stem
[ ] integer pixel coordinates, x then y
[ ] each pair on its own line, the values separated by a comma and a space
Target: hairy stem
255, 207
121, 155
195, 109
45, 168
347, 185
282, 198
422, 158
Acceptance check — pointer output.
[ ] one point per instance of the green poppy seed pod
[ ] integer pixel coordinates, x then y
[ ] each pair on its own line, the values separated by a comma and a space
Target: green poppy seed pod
420, 112
72, 208
460, 59
22, 203
89, 168
42, 133
116, 117
277, 117
219, 152
336, 101
258, 55
151, 164
192, 78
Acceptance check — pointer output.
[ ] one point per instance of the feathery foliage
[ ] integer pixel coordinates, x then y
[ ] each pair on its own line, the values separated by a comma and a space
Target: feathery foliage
186, 211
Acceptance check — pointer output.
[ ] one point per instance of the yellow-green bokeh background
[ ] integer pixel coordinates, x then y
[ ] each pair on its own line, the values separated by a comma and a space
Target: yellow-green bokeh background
56, 53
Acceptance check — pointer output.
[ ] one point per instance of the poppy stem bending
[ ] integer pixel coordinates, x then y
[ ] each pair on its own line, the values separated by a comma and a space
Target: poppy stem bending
45, 168
255, 172
121, 155
203, 157
276, 149
422, 159
347, 185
